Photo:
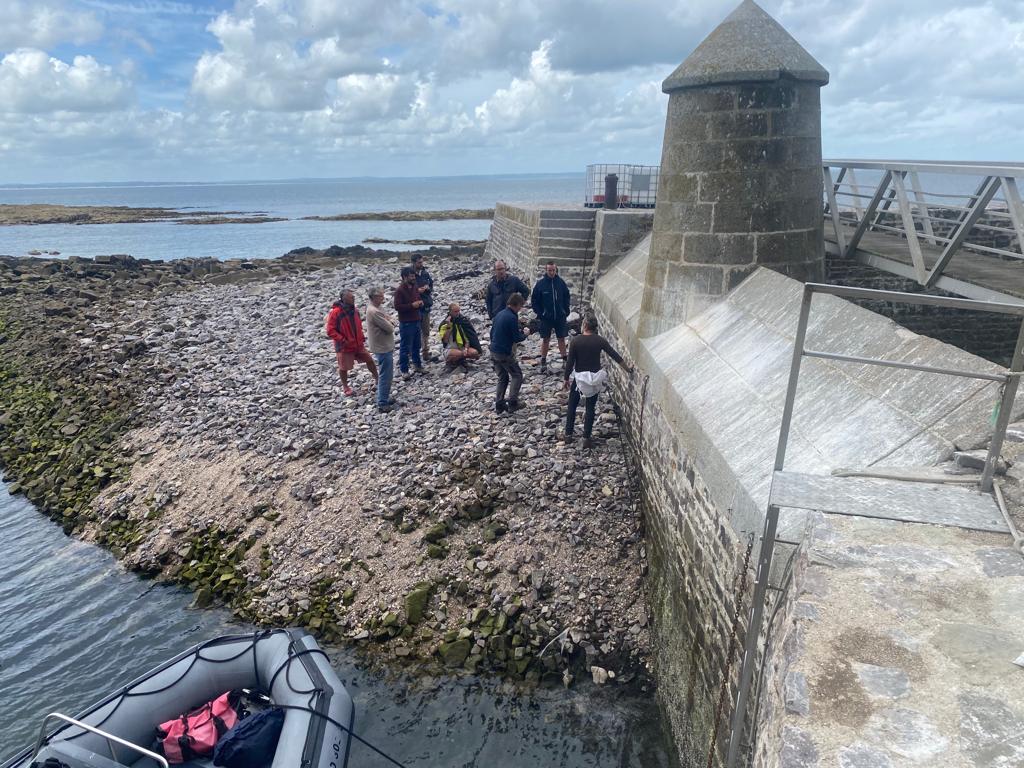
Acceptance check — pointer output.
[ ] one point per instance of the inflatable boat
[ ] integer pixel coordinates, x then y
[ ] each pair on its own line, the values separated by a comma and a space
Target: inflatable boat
285, 665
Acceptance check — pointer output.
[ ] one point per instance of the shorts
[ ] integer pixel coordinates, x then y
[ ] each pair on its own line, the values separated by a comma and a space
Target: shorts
560, 327
347, 360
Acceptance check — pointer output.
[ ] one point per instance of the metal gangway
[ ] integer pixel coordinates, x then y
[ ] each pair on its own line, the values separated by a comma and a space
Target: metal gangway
956, 226
881, 496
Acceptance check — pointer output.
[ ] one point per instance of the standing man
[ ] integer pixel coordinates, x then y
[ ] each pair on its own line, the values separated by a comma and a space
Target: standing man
425, 285
588, 377
408, 304
381, 332
551, 304
505, 332
501, 287
345, 329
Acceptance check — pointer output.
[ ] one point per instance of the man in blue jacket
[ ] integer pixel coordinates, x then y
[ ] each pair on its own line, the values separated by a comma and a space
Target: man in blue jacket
425, 285
505, 334
550, 301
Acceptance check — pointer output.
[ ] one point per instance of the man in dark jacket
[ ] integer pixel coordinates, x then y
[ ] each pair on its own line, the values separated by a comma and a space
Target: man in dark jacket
551, 304
425, 285
505, 334
501, 287
408, 305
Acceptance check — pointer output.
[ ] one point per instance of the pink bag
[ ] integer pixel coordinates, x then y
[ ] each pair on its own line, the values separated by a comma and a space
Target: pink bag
195, 734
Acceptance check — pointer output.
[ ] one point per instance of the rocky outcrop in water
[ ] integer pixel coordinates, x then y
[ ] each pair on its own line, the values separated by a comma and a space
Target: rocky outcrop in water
453, 214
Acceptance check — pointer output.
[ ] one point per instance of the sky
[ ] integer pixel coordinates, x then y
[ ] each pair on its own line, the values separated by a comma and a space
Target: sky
169, 90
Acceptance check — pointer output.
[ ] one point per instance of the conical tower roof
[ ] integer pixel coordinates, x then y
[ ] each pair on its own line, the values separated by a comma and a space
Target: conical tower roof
749, 46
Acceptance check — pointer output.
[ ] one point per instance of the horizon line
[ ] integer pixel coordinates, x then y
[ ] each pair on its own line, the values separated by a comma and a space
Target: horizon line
256, 182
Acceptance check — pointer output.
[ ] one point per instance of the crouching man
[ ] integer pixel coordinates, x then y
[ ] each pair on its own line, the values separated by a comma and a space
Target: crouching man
459, 339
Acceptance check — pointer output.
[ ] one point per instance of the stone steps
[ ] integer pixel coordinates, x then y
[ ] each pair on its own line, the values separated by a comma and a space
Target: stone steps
563, 255
567, 223
565, 242
586, 214
567, 232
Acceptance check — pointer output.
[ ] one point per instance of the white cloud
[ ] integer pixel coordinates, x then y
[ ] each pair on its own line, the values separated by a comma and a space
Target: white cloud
414, 86
32, 82
44, 23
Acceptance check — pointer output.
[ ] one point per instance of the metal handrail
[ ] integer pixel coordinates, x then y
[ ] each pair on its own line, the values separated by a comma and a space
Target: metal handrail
1010, 380
901, 207
962, 167
110, 738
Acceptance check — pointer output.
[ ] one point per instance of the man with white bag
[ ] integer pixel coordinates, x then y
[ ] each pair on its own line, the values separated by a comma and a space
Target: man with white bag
583, 367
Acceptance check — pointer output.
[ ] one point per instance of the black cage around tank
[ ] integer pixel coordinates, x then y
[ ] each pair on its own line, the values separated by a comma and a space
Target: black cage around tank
637, 185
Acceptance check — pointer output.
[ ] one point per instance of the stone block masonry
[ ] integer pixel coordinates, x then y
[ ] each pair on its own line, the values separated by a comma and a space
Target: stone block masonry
583, 242
740, 180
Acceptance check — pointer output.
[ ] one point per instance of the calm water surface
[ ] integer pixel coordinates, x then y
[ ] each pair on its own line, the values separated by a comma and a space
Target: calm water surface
73, 625
291, 199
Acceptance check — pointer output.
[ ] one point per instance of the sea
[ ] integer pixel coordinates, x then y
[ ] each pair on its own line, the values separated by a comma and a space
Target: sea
291, 200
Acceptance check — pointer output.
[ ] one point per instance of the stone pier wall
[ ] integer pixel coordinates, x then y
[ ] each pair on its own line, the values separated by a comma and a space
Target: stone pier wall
702, 415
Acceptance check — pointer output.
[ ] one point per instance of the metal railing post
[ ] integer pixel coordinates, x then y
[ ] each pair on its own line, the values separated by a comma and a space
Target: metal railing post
909, 226
858, 206
1005, 409
865, 221
764, 560
988, 191
922, 207
830, 191
1015, 208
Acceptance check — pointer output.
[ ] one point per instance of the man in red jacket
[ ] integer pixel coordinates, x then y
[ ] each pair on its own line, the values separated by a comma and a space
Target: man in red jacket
345, 329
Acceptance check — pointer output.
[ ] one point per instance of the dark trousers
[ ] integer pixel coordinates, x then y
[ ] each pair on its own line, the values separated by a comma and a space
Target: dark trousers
590, 405
409, 345
510, 376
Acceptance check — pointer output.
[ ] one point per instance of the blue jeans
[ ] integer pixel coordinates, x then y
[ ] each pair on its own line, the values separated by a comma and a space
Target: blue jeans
386, 372
409, 345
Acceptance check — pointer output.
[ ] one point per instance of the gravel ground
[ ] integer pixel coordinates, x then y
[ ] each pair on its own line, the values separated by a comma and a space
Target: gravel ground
441, 533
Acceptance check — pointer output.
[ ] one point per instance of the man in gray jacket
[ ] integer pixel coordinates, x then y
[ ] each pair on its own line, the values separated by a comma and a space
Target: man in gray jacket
380, 339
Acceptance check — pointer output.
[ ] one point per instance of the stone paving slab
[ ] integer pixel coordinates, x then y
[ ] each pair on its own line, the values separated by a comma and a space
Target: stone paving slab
901, 649
889, 499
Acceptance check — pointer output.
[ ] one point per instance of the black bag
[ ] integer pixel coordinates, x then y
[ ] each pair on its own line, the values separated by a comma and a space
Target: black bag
252, 742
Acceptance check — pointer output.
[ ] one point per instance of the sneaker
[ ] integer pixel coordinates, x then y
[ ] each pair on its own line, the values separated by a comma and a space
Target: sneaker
407, 376
348, 391
568, 438
420, 369
385, 408
392, 401
514, 405
587, 443
500, 406
543, 365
